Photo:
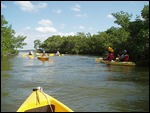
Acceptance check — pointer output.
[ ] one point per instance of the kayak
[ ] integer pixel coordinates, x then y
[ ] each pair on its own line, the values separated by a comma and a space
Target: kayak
44, 58
51, 54
125, 63
37, 54
120, 63
38, 101
24, 55
31, 56
59, 54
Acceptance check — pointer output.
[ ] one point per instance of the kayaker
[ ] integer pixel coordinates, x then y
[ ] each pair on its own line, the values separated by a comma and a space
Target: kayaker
31, 53
110, 56
58, 53
44, 54
124, 56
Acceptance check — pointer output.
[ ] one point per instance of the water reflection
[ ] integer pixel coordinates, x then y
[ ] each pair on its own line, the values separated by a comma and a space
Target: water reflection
124, 69
5, 64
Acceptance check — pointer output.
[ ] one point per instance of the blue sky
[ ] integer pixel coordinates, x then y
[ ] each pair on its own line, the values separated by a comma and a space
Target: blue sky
41, 19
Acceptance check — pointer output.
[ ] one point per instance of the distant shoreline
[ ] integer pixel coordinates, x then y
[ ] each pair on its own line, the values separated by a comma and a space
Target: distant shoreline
26, 50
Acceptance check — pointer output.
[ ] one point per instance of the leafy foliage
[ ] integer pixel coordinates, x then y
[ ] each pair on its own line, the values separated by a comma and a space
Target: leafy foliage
37, 43
9, 42
132, 36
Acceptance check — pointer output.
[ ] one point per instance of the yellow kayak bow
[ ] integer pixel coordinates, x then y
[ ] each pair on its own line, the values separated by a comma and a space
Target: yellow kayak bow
38, 101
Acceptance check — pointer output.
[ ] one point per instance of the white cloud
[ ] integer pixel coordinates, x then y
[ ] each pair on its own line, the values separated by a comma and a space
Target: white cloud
76, 7
27, 6
46, 26
46, 29
3, 6
57, 11
45, 22
110, 16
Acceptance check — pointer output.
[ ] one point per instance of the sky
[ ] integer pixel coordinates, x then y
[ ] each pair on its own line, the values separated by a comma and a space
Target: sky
42, 19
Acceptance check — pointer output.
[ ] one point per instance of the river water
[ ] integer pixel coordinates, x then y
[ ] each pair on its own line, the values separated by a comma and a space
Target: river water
77, 81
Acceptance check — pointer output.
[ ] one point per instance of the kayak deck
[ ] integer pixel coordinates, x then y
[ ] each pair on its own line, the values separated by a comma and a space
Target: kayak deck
38, 101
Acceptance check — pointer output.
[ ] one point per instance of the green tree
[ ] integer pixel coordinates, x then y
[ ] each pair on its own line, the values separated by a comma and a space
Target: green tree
9, 42
145, 12
37, 44
122, 19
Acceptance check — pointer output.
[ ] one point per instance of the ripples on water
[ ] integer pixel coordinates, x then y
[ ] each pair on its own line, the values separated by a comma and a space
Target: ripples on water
77, 81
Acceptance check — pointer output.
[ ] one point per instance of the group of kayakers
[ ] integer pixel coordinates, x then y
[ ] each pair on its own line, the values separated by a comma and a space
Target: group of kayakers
44, 54
111, 56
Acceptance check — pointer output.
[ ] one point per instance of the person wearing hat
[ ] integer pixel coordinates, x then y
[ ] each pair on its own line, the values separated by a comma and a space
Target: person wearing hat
124, 56
110, 56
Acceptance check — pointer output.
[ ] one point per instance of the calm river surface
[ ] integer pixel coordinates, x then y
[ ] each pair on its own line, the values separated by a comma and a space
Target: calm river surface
77, 81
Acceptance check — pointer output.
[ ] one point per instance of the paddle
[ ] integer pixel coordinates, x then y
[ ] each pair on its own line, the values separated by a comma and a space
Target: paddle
98, 59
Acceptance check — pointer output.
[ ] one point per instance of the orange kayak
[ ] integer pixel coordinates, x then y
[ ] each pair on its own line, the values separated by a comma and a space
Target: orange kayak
44, 58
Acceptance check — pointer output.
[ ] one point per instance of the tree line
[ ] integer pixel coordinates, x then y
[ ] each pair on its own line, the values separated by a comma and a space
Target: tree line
131, 35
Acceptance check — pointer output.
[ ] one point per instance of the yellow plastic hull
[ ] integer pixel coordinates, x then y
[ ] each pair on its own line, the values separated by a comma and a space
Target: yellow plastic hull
51, 54
120, 63
41, 102
115, 62
31, 56
24, 55
37, 54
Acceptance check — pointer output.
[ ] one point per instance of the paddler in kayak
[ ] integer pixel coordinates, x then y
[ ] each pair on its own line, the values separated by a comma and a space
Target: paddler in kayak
58, 53
31, 53
110, 56
44, 54
124, 56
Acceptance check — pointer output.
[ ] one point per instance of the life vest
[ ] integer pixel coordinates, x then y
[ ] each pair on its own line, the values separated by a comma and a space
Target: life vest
110, 56
126, 58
